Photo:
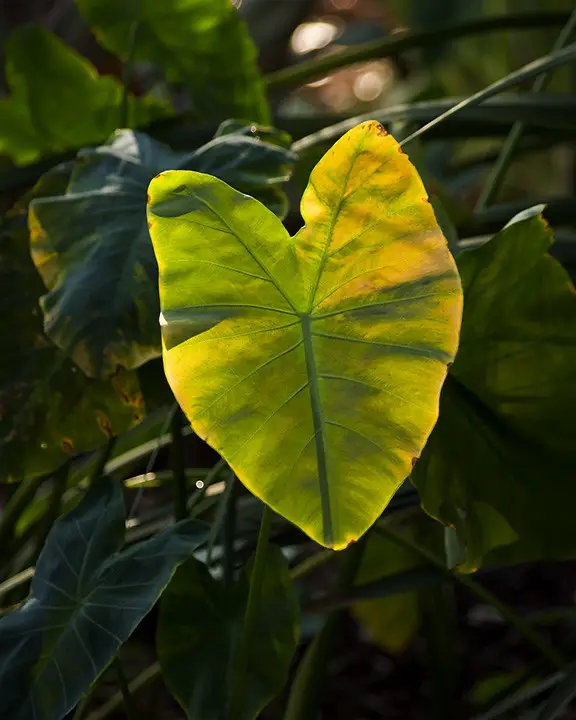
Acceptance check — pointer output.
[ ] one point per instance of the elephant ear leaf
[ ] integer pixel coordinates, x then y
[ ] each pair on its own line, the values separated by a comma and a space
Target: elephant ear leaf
313, 364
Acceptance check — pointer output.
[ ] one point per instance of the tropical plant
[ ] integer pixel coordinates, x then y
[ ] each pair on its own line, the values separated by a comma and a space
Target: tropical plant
380, 384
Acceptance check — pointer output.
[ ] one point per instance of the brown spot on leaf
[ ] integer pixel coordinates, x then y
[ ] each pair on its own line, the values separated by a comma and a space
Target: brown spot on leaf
380, 129
104, 424
400, 150
149, 224
67, 446
414, 461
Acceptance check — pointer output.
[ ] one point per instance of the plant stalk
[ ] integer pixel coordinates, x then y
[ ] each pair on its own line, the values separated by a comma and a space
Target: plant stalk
179, 480
125, 690
306, 690
553, 657
497, 173
403, 41
250, 616
127, 76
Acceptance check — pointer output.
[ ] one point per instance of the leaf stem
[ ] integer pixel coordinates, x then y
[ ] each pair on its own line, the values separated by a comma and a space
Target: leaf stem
146, 676
179, 480
307, 686
250, 616
229, 532
403, 41
127, 76
551, 654
125, 690
497, 173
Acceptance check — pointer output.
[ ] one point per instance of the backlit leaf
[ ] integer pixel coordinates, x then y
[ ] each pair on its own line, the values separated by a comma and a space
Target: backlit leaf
85, 602
57, 99
313, 364
201, 43
92, 247
199, 632
499, 465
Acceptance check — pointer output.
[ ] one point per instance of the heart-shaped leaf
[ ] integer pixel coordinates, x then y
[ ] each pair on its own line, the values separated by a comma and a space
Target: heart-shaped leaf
85, 602
57, 99
502, 453
201, 43
92, 247
49, 409
199, 658
313, 364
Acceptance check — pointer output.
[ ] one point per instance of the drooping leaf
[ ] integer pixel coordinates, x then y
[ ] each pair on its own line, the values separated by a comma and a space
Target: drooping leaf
92, 247
57, 99
85, 602
391, 622
313, 364
499, 465
199, 631
48, 409
201, 43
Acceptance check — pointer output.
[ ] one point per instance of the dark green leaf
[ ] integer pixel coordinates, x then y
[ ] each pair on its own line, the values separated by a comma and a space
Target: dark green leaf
48, 409
92, 247
499, 465
199, 632
57, 100
201, 43
85, 602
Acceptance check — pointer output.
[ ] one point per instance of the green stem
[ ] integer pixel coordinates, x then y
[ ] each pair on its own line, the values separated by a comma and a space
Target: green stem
519, 624
59, 484
16, 580
307, 687
127, 76
17, 504
216, 528
140, 681
252, 608
125, 690
496, 176
403, 41
179, 480
229, 533
311, 563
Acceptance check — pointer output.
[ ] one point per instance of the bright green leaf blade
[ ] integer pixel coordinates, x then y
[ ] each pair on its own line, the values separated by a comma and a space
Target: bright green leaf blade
313, 364
57, 100
92, 248
502, 452
50, 410
199, 631
201, 43
85, 602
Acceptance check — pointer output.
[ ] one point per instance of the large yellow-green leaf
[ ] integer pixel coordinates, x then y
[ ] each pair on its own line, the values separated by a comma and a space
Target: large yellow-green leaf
58, 101
499, 465
313, 364
203, 44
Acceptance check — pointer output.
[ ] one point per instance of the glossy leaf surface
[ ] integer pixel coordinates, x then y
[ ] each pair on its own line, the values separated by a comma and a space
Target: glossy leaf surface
199, 631
50, 410
57, 99
499, 465
313, 364
221, 72
92, 247
85, 602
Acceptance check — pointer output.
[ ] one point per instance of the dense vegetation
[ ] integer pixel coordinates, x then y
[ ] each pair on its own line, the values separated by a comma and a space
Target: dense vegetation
359, 394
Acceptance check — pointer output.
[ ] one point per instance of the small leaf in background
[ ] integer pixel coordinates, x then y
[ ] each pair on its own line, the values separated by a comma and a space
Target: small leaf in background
199, 631
92, 247
203, 44
49, 409
313, 364
390, 622
86, 600
57, 99
499, 465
